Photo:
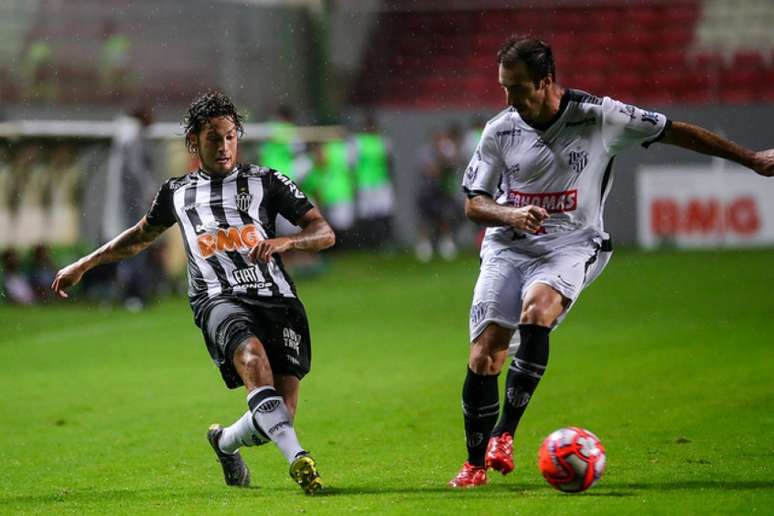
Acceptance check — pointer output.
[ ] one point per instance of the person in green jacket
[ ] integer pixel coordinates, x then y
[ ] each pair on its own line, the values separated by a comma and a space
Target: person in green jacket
375, 198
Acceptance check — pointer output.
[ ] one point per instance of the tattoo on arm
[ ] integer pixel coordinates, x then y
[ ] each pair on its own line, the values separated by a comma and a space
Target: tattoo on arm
316, 234
129, 243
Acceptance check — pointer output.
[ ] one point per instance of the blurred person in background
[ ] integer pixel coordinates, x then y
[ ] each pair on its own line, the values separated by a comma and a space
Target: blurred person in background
42, 270
16, 285
436, 200
254, 326
330, 182
285, 152
130, 174
538, 181
114, 62
375, 198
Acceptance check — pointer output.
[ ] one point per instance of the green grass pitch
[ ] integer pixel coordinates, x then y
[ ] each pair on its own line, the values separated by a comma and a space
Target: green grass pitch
667, 357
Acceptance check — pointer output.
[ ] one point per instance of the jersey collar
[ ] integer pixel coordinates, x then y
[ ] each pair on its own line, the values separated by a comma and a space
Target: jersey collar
565, 100
205, 175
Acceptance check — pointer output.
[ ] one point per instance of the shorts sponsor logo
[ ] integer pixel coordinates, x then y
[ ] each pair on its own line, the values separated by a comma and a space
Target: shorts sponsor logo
293, 360
552, 202
291, 338
471, 174
268, 406
477, 312
228, 239
243, 200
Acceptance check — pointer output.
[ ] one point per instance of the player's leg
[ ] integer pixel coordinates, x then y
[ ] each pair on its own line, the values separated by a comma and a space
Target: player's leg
551, 288
494, 315
225, 325
303, 469
542, 305
270, 413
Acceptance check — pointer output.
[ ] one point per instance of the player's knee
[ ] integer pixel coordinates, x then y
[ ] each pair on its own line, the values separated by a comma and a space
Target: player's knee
486, 358
251, 355
539, 314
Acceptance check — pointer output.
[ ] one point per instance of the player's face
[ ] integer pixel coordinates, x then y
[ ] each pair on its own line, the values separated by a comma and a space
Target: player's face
217, 144
521, 92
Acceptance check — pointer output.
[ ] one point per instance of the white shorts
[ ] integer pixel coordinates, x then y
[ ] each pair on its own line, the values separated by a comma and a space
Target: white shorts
506, 276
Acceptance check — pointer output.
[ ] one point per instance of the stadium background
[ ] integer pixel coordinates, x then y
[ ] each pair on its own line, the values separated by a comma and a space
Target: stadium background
417, 66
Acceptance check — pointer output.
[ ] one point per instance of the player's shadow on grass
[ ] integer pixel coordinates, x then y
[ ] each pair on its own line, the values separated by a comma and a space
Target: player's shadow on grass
689, 485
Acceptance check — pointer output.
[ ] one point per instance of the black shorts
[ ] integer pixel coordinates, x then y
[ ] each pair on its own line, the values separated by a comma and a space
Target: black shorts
279, 323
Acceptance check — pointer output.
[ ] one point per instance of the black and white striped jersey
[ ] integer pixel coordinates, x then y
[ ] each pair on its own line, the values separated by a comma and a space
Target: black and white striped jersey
221, 219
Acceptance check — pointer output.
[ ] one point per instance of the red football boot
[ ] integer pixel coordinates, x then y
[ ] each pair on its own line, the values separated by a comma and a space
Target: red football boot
499, 453
469, 476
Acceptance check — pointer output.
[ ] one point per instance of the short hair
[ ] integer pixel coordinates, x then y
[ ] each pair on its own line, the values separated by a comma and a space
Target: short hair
209, 105
536, 55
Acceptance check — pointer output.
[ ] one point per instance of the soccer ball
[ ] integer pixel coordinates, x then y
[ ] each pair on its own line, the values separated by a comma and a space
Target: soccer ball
572, 459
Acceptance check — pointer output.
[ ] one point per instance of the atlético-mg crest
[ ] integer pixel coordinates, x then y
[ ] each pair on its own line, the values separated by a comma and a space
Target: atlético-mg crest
243, 201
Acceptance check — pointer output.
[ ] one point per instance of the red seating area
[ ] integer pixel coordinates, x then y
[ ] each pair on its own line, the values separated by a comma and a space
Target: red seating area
636, 53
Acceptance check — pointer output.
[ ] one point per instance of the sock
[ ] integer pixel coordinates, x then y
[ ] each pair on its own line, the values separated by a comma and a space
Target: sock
523, 377
242, 433
480, 406
271, 416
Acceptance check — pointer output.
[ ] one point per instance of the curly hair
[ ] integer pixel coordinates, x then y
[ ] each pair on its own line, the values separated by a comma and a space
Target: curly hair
209, 105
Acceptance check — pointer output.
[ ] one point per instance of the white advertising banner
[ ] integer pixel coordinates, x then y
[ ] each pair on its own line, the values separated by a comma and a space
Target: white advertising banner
704, 206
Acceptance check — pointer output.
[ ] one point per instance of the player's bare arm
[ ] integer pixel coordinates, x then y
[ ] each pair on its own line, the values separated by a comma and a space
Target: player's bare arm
701, 140
483, 210
315, 235
129, 243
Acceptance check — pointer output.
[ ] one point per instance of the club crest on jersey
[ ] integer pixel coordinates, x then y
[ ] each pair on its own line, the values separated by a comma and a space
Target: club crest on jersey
243, 200
578, 160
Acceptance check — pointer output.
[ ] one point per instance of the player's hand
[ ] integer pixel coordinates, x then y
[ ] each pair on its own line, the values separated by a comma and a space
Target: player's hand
763, 163
66, 278
529, 218
265, 248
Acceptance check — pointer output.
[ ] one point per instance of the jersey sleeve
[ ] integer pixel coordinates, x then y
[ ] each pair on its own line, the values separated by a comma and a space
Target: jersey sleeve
162, 210
287, 198
485, 168
625, 126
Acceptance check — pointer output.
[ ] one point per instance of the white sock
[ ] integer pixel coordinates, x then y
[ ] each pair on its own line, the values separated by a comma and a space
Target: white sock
271, 415
241, 433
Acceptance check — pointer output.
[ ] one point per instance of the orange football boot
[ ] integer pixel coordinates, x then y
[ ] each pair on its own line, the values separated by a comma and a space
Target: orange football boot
499, 453
469, 476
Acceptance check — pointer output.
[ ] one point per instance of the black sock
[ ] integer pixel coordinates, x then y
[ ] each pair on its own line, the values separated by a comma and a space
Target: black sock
525, 373
480, 406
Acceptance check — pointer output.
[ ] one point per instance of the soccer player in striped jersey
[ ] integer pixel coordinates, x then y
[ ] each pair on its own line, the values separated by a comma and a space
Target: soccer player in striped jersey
538, 180
246, 305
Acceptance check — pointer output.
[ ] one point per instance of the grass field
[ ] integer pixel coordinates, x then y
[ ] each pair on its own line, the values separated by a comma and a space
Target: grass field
667, 357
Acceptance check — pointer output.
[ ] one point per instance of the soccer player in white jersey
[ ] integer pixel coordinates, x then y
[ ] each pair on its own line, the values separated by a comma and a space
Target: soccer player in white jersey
538, 180
253, 323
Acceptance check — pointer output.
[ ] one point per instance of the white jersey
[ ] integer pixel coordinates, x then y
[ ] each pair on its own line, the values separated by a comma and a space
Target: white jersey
564, 168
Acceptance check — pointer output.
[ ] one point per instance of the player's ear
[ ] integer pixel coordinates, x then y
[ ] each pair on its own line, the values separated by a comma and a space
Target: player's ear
193, 143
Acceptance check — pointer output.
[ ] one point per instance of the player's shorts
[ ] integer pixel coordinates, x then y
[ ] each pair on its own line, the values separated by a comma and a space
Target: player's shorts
506, 276
279, 323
